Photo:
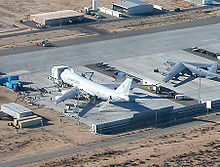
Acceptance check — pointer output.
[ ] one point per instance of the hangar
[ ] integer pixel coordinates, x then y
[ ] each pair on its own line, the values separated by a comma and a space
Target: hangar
57, 18
133, 7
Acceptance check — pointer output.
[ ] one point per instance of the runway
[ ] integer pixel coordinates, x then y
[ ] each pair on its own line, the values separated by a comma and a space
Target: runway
108, 36
115, 49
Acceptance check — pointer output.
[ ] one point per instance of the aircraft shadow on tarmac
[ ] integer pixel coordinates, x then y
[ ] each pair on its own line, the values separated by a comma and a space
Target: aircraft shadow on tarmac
131, 105
191, 78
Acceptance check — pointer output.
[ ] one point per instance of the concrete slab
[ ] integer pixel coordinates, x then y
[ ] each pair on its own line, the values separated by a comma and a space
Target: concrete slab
118, 111
142, 66
109, 113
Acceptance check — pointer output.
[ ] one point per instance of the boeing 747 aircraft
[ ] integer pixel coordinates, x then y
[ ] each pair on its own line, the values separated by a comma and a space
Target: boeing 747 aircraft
81, 84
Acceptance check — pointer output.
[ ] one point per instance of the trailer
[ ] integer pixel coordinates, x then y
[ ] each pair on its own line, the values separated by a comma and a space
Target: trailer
10, 78
27, 123
15, 110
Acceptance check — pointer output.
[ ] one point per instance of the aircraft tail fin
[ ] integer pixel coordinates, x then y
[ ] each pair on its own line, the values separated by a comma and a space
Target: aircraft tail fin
214, 68
124, 88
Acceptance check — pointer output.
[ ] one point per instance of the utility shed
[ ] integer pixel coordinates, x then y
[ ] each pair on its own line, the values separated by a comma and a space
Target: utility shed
15, 110
133, 7
57, 18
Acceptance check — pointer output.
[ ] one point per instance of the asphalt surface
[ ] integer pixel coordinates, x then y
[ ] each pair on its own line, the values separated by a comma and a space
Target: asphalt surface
108, 142
145, 51
108, 36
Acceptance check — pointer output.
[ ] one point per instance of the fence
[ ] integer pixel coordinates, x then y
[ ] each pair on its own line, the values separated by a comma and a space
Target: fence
153, 117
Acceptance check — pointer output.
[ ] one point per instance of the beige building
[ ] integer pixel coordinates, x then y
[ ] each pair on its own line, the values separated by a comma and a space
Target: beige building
57, 18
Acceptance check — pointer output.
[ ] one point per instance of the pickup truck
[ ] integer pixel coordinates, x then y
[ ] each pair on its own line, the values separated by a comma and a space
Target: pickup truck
44, 44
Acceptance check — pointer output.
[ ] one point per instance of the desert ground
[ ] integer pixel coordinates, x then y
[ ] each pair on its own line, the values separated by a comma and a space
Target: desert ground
157, 20
195, 146
12, 13
59, 131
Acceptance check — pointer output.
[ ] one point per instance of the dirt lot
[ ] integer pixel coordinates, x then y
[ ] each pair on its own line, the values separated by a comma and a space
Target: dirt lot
12, 12
54, 135
195, 146
32, 39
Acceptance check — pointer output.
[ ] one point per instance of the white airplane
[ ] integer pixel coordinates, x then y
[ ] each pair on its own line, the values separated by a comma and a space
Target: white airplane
81, 84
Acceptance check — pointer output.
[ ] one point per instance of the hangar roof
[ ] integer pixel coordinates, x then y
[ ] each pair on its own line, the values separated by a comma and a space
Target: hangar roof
58, 14
130, 3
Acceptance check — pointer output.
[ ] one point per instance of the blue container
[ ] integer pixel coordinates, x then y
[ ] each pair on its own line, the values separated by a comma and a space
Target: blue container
3, 80
9, 85
14, 82
13, 77
121, 74
15, 87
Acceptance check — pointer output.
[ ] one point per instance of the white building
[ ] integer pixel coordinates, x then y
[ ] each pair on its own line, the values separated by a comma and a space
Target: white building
15, 110
133, 7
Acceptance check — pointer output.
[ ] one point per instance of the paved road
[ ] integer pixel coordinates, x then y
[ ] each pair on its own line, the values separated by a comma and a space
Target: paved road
108, 142
108, 36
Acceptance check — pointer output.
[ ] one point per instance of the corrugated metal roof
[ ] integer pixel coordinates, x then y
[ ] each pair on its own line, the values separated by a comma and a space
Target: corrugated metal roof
58, 14
16, 108
130, 3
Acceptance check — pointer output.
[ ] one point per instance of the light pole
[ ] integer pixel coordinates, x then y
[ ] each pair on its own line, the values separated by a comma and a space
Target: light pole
78, 123
199, 91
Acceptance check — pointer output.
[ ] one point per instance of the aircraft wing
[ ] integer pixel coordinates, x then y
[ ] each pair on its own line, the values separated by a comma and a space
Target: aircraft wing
177, 68
115, 85
70, 94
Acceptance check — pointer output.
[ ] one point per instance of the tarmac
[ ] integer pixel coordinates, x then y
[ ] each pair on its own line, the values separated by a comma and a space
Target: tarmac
137, 55
147, 64
145, 101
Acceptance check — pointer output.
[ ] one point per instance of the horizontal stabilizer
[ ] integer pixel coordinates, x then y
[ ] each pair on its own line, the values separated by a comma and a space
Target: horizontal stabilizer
213, 76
